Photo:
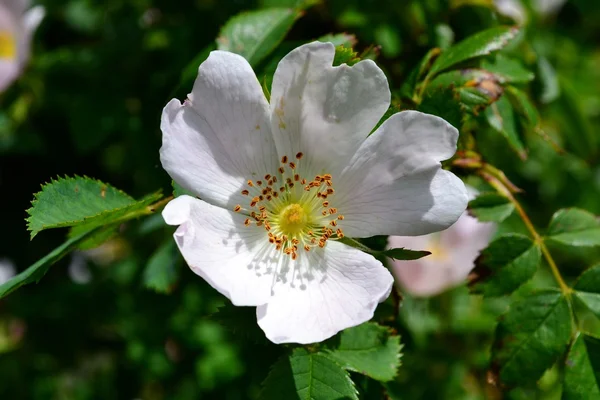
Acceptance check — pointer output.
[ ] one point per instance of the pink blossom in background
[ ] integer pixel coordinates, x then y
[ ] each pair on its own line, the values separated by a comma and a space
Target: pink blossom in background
17, 25
454, 251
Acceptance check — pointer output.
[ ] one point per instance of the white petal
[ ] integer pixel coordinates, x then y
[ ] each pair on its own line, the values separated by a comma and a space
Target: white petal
220, 137
394, 185
453, 255
339, 288
33, 17
325, 111
9, 71
218, 247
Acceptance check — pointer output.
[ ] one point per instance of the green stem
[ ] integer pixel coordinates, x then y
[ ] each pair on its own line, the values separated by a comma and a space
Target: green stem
538, 239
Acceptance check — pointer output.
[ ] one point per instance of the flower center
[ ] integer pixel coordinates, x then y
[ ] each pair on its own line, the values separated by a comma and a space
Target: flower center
295, 212
7, 45
293, 219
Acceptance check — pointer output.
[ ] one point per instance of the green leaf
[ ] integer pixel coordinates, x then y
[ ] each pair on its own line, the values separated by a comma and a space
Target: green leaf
582, 369
501, 117
115, 216
508, 70
507, 263
339, 39
369, 349
255, 34
491, 207
443, 103
345, 55
530, 337
480, 44
549, 81
524, 107
36, 271
160, 274
411, 84
574, 227
405, 254
587, 289
310, 376
70, 201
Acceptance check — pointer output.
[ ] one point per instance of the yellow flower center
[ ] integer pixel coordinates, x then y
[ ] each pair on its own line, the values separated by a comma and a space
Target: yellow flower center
295, 212
293, 219
7, 45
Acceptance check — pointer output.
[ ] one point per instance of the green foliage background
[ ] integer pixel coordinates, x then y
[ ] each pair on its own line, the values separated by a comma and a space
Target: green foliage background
527, 102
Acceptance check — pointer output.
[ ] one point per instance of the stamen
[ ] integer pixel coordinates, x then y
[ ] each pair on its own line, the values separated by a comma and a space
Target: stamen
250, 183
292, 165
299, 155
245, 192
237, 208
284, 159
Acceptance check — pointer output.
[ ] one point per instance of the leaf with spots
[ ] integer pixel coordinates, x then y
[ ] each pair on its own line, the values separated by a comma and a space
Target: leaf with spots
71, 201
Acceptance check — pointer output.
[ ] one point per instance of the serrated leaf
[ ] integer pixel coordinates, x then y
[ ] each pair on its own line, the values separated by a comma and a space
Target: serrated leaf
160, 274
480, 44
443, 103
582, 369
241, 322
587, 289
369, 349
507, 263
405, 254
345, 55
310, 376
491, 207
36, 271
530, 337
501, 117
339, 39
508, 70
114, 216
70, 201
574, 227
255, 34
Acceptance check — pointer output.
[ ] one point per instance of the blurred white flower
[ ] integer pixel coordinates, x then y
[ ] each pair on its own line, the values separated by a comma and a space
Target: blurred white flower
7, 270
281, 183
453, 253
78, 269
515, 9
17, 25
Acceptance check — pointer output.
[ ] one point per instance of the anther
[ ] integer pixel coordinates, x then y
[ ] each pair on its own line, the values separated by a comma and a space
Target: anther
261, 197
303, 181
250, 183
281, 170
328, 183
245, 192
267, 177
237, 208
324, 212
253, 204
259, 183
340, 217
275, 179
275, 194
333, 223
292, 165
339, 233
327, 177
282, 189
332, 210
330, 191
265, 191
306, 247
269, 197
325, 204
296, 177
247, 222
299, 155
284, 159
256, 199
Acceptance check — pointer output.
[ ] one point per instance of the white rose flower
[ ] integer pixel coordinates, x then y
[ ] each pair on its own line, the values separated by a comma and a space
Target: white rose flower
281, 183
453, 254
7, 270
17, 25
